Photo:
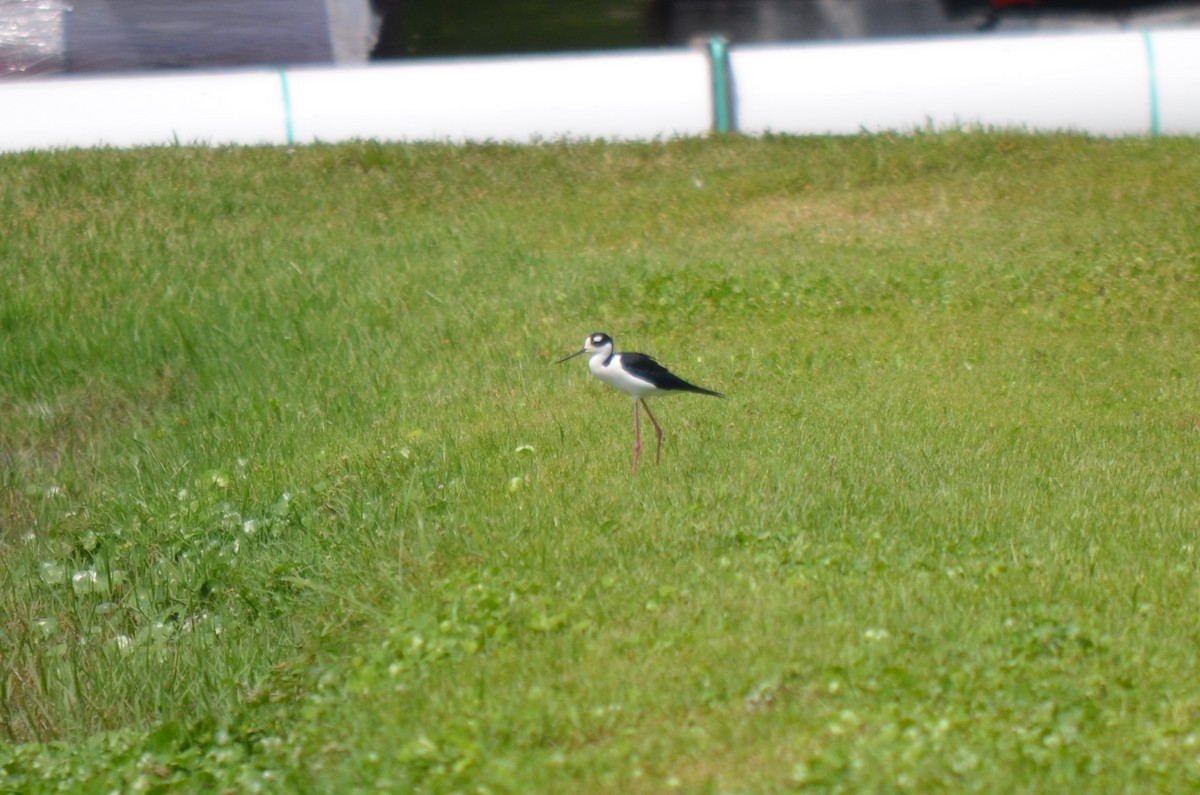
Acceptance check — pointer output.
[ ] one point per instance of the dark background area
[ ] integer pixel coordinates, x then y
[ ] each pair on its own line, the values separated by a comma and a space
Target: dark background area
415, 28
89, 36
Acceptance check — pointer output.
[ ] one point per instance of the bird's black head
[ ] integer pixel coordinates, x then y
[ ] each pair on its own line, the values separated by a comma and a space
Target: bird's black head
594, 342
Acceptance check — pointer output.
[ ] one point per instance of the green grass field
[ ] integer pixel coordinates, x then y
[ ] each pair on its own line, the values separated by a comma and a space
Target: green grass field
292, 498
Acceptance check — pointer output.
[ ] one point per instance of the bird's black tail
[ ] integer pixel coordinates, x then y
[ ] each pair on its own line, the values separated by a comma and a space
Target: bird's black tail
701, 390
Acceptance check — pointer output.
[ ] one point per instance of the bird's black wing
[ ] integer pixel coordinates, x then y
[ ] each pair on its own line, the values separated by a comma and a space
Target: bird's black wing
645, 367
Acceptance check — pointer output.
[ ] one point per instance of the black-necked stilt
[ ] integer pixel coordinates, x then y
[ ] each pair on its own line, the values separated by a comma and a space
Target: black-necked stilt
637, 375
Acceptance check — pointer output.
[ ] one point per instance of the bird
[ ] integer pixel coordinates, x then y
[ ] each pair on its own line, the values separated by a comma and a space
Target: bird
638, 376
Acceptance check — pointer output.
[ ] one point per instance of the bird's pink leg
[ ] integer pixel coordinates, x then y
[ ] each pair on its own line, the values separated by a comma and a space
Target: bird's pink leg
657, 432
637, 435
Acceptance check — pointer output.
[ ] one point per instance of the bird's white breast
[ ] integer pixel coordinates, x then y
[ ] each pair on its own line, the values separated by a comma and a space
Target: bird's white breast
612, 374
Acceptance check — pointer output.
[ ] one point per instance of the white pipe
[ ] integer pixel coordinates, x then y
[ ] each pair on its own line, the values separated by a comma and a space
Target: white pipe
1105, 84
1101, 84
1175, 56
631, 96
211, 108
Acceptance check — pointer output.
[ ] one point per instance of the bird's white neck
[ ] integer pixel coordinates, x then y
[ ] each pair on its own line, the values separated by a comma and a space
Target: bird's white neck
600, 356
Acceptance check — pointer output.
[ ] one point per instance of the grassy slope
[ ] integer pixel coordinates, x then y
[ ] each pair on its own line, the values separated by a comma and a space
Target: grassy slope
269, 513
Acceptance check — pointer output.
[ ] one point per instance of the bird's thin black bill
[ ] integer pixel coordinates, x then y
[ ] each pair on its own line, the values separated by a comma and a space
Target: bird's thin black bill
572, 356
